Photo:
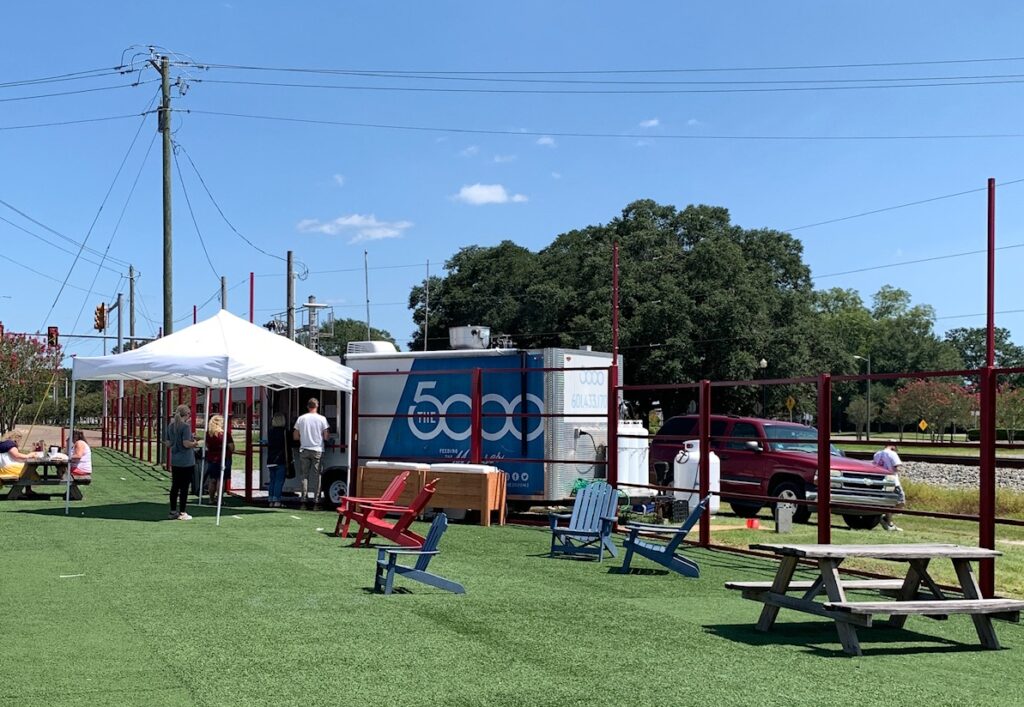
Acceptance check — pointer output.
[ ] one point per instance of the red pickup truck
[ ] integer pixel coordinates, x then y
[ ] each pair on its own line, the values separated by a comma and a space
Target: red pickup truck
775, 458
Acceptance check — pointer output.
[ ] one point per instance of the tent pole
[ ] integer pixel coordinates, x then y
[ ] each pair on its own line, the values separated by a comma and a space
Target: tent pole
224, 445
71, 446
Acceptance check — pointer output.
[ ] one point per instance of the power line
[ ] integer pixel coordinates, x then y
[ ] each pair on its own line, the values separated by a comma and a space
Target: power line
72, 76
117, 226
914, 262
81, 90
221, 211
181, 180
81, 245
798, 67
900, 206
58, 246
645, 136
655, 91
103, 203
68, 122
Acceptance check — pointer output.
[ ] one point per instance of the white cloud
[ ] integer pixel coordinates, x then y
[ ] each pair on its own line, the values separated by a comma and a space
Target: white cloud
504, 158
651, 123
362, 227
339, 179
480, 194
546, 141
692, 121
556, 175
471, 151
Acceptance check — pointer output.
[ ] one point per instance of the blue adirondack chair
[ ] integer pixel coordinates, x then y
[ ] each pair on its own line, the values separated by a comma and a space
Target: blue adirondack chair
388, 567
589, 531
664, 555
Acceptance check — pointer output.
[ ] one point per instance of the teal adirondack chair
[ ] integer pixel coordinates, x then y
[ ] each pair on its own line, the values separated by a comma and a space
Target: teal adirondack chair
589, 531
663, 554
388, 567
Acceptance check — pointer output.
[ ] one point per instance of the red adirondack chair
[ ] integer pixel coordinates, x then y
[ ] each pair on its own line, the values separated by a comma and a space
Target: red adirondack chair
350, 504
372, 522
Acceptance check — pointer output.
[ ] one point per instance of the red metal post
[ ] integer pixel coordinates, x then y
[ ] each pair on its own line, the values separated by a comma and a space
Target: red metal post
249, 404
824, 459
132, 440
704, 466
987, 481
990, 336
612, 451
149, 427
987, 472
476, 437
353, 443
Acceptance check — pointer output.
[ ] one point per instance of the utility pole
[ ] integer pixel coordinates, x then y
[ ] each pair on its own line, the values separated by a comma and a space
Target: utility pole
223, 292
164, 127
291, 296
426, 309
131, 304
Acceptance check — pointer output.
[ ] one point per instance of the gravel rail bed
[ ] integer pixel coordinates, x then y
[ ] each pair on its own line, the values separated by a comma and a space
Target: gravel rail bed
958, 476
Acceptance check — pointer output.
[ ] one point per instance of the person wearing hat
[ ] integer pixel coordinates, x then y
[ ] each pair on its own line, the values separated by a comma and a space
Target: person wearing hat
888, 458
311, 430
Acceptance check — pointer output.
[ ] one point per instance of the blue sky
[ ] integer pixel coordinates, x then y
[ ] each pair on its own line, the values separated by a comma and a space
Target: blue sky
329, 192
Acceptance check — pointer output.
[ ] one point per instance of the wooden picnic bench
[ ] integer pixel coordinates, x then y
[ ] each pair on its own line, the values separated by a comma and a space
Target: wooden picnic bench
916, 594
36, 472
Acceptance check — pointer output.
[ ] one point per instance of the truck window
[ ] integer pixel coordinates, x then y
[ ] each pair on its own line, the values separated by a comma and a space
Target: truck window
679, 426
742, 432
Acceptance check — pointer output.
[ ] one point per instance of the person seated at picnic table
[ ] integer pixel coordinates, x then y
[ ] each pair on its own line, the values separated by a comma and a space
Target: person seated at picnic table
12, 460
81, 457
214, 442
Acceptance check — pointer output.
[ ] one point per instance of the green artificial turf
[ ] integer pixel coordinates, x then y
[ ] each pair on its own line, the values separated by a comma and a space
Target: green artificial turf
268, 609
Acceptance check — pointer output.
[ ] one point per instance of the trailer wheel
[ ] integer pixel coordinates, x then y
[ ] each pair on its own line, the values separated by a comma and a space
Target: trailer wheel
334, 487
862, 522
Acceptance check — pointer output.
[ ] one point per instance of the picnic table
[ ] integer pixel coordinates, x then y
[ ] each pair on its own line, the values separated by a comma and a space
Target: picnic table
916, 593
45, 471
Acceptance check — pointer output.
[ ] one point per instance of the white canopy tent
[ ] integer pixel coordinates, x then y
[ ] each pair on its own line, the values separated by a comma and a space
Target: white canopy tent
222, 351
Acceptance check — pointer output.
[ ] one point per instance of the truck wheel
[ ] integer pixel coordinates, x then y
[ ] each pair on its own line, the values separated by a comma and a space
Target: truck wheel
862, 522
793, 491
744, 510
334, 488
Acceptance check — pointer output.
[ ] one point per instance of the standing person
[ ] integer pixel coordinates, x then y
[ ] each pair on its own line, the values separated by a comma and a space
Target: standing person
311, 430
277, 458
214, 442
182, 443
888, 458
81, 457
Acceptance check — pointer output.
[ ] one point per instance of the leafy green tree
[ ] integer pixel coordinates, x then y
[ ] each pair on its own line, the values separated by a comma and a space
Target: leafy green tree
971, 344
346, 330
28, 369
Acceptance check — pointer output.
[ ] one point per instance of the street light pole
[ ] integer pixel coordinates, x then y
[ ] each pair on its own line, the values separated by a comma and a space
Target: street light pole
870, 411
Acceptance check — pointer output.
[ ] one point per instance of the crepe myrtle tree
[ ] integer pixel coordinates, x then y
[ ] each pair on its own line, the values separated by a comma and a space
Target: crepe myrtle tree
27, 368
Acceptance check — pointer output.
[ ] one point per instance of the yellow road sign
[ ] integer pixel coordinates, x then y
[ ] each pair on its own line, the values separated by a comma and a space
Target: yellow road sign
922, 425
790, 403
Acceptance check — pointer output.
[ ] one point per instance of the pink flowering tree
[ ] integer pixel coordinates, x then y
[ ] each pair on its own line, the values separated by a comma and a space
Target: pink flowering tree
27, 369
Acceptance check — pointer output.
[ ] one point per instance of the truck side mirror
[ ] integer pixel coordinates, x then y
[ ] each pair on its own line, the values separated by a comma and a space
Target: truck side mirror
754, 446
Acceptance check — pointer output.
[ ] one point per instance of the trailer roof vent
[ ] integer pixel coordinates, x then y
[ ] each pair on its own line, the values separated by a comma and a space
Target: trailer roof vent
360, 347
469, 337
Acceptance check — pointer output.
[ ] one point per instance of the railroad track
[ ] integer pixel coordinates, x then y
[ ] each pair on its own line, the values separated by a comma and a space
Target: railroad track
1003, 462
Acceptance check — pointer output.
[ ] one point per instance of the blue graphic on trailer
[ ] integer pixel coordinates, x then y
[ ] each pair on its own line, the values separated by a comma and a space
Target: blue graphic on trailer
440, 425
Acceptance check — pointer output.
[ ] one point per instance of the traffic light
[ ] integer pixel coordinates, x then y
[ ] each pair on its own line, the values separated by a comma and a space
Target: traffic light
52, 337
100, 317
